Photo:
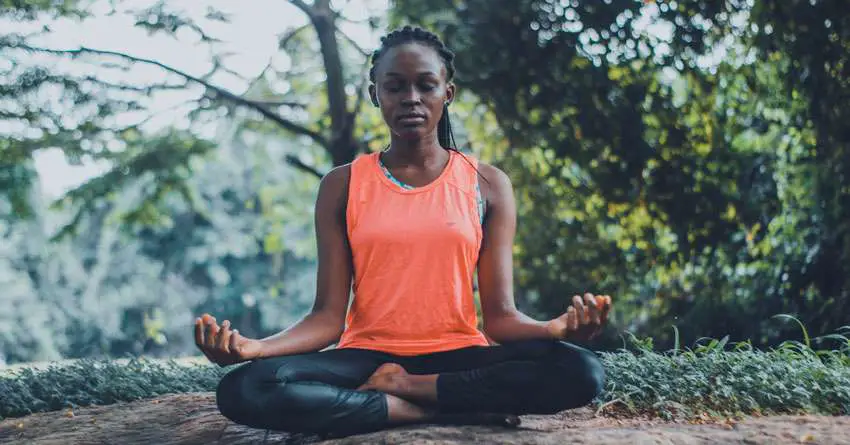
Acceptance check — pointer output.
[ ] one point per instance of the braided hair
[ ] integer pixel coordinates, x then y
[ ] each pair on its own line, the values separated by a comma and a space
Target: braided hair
410, 34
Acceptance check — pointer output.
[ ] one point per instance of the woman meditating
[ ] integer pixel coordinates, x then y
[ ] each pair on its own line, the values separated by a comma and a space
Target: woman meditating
408, 227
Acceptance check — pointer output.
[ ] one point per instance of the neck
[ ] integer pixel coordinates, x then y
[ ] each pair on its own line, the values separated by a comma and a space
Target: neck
416, 152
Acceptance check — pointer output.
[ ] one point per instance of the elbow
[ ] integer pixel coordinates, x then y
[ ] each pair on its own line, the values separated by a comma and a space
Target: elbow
496, 326
332, 325
496, 336
335, 335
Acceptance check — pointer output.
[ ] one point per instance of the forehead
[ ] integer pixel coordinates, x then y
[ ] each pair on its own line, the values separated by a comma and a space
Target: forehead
411, 59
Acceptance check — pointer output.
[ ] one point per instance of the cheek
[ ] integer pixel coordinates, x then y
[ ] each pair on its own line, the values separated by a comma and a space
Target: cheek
386, 111
437, 109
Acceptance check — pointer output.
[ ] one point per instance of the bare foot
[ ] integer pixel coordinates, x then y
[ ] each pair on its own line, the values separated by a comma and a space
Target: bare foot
389, 378
411, 398
400, 411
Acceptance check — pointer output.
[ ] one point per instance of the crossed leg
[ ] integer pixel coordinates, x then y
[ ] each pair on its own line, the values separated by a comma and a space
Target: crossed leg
347, 391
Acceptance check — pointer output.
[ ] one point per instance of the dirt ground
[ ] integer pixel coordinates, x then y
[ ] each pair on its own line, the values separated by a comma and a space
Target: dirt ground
193, 419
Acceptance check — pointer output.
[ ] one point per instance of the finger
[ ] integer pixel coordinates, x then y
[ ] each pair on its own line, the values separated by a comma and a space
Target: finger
223, 342
579, 307
200, 340
234, 343
585, 312
606, 308
590, 300
592, 308
601, 301
199, 333
603, 315
572, 319
212, 333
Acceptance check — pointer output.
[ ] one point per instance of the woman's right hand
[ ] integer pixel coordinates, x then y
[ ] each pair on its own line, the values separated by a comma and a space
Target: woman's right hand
222, 345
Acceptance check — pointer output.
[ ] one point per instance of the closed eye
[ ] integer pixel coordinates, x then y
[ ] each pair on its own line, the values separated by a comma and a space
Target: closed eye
395, 87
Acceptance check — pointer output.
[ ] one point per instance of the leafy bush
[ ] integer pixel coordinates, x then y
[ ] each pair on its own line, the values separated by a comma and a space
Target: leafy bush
710, 380
91, 382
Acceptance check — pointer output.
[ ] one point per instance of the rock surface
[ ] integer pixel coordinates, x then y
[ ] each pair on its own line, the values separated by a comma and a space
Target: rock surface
193, 419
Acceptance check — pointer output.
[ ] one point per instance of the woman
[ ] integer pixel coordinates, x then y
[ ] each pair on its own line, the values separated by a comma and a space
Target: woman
408, 227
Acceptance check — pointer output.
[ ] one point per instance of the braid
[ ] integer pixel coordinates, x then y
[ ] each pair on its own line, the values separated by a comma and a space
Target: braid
410, 34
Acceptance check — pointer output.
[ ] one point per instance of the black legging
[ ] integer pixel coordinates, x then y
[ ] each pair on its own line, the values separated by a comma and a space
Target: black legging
315, 393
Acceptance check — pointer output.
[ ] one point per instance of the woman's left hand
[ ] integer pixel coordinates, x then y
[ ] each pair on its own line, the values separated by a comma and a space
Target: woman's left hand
583, 320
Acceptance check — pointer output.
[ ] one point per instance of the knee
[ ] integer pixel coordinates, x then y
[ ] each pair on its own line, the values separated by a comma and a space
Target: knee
577, 378
264, 394
243, 393
230, 395
587, 373
592, 374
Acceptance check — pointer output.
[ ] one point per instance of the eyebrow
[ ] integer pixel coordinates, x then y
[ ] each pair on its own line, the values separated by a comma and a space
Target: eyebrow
423, 73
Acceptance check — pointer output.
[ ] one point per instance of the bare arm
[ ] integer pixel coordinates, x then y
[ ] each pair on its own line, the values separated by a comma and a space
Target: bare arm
502, 320
324, 324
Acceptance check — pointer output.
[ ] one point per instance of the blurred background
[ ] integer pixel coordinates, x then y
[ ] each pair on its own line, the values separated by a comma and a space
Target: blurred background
160, 159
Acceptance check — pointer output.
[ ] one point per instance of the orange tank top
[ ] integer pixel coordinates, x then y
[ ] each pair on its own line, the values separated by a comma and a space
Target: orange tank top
415, 253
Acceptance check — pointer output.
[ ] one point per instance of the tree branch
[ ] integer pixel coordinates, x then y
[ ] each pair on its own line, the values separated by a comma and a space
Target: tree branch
334, 79
354, 44
300, 165
304, 7
361, 91
289, 36
281, 103
280, 120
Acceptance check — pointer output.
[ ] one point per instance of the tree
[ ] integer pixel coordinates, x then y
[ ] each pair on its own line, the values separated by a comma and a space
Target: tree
89, 121
813, 38
186, 220
646, 170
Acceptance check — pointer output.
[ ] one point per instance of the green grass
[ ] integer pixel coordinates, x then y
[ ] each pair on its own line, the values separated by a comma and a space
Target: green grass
99, 382
715, 379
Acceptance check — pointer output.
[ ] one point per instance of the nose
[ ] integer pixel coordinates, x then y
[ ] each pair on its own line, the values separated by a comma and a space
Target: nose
411, 97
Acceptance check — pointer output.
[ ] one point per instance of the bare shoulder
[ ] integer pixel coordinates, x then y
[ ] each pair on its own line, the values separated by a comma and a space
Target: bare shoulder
337, 177
333, 191
496, 184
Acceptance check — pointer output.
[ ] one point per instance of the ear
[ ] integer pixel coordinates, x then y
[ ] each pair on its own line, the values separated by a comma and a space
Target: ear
373, 95
450, 92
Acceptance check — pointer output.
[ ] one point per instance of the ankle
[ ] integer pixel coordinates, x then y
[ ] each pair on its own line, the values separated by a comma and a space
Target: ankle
420, 388
404, 384
402, 411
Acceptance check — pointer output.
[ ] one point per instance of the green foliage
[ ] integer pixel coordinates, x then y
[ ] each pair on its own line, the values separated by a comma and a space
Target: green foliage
690, 159
131, 282
712, 379
161, 161
676, 171
199, 208
814, 38
32, 9
91, 382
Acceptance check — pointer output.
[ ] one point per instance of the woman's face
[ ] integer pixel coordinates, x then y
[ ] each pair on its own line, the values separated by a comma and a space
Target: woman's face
411, 89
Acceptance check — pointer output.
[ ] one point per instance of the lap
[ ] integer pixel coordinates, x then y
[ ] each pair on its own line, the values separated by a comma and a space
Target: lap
349, 368
346, 368
546, 351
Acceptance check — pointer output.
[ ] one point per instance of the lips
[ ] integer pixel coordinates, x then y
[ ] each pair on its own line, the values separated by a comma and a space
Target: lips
411, 118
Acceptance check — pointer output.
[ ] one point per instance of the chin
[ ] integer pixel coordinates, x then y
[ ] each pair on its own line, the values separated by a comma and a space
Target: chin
411, 134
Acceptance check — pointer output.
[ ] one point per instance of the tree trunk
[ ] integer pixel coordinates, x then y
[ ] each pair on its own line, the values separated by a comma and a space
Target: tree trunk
342, 146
